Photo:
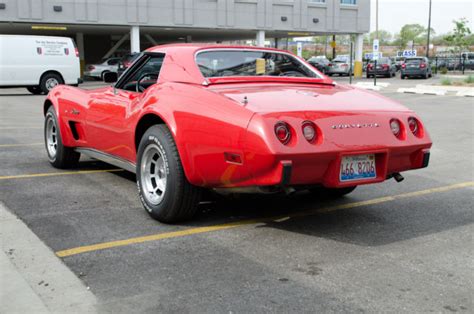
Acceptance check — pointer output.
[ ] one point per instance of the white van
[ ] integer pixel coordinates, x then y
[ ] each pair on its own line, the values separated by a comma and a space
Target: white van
38, 62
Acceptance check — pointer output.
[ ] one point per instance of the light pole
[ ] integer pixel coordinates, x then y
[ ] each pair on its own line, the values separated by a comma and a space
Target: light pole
377, 19
429, 30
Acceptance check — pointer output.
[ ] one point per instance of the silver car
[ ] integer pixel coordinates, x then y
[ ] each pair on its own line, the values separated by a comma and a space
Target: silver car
98, 70
340, 65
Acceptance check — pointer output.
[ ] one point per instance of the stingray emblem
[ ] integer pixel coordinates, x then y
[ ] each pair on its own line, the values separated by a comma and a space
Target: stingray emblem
355, 126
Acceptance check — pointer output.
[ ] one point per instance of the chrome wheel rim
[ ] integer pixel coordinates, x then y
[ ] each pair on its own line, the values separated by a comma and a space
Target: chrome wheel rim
51, 83
51, 137
153, 174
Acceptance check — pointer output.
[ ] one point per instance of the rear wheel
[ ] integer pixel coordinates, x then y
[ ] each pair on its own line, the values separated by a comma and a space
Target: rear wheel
58, 155
162, 185
103, 74
35, 90
332, 192
49, 81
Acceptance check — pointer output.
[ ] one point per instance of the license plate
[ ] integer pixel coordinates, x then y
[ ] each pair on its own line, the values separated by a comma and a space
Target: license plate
358, 167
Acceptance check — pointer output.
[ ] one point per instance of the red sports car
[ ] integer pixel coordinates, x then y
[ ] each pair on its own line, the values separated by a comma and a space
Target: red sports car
234, 119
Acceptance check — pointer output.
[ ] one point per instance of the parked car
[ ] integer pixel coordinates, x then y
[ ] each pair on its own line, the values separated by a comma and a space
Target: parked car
234, 119
385, 67
38, 63
340, 65
98, 70
321, 63
126, 62
416, 66
468, 59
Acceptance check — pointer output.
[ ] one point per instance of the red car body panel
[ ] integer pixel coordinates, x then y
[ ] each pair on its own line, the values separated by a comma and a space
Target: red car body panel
212, 117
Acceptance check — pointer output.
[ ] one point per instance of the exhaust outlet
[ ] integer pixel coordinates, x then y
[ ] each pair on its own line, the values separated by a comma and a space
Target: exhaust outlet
398, 177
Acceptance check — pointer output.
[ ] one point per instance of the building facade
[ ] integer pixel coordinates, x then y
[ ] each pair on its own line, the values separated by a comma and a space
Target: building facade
107, 24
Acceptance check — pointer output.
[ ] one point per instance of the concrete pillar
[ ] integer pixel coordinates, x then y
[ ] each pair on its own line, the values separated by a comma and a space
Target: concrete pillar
260, 38
80, 49
359, 50
135, 39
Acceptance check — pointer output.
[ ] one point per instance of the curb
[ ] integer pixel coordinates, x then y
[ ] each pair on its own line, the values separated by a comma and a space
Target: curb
421, 91
39, 282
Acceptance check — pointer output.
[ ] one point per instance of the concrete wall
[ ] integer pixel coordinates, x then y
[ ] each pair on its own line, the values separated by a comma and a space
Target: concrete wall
225, 14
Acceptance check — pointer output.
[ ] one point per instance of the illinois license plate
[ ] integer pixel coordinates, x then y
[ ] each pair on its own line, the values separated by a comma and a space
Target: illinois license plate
358, 167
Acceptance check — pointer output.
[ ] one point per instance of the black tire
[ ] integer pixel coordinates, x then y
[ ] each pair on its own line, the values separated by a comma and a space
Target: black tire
179, 200
35, 90
49, 80
332, 192
64, 157
368, 76
102, 75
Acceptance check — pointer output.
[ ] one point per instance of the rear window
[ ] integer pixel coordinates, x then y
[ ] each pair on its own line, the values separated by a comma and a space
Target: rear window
381, 60
219, 63
414, 61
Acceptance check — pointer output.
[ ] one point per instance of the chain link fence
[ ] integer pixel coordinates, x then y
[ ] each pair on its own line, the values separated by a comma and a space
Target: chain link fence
443, 64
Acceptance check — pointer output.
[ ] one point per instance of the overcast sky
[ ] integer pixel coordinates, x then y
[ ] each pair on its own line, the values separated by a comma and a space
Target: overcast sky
393, 14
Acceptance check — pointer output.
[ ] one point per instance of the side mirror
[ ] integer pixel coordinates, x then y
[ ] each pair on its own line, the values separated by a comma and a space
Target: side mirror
110, 77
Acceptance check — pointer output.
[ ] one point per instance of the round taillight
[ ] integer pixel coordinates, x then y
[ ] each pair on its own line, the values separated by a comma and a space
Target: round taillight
282, 132
395, 127
413, 125
309, 131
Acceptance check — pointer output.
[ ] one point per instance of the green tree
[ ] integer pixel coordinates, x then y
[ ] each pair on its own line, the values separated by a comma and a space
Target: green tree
460, 37
411, 32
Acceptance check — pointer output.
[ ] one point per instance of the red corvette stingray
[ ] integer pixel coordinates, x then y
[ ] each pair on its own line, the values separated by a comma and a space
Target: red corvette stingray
233, 119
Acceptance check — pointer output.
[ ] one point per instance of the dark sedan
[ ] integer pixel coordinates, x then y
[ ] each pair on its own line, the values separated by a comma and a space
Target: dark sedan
416, 67
385, 67
321, 63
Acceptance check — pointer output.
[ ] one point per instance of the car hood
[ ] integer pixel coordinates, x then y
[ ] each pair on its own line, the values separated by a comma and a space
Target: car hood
266, 98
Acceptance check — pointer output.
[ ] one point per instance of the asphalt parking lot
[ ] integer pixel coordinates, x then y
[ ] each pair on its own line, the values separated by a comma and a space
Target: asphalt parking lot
391, 247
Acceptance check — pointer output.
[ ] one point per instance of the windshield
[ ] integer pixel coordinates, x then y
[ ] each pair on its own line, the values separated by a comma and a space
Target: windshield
341, 60
251, 63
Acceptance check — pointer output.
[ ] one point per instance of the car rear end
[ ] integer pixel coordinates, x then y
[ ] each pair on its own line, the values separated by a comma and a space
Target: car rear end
415, 67
383, 67
339, 66
334, 149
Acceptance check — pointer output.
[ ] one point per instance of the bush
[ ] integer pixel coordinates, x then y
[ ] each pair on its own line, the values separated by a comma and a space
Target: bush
443, 70
469, 79
445, 81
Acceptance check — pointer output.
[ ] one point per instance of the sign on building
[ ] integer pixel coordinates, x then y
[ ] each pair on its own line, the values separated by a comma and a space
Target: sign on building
407, 53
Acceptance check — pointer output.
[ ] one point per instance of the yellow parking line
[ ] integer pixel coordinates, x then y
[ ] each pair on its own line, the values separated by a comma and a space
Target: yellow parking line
20, 145
51, 174
198, 230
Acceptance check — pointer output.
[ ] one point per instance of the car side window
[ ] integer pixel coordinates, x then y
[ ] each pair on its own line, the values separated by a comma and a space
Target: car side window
113, 62
143, 74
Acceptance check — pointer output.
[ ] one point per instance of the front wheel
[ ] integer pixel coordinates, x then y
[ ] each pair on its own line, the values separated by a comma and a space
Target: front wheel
49, 81
59, 155
162, 185
332, 192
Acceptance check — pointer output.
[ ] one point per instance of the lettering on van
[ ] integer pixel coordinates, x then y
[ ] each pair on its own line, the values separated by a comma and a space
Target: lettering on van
52, 48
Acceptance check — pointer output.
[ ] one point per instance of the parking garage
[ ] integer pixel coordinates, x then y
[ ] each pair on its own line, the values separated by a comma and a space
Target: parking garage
103, 28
